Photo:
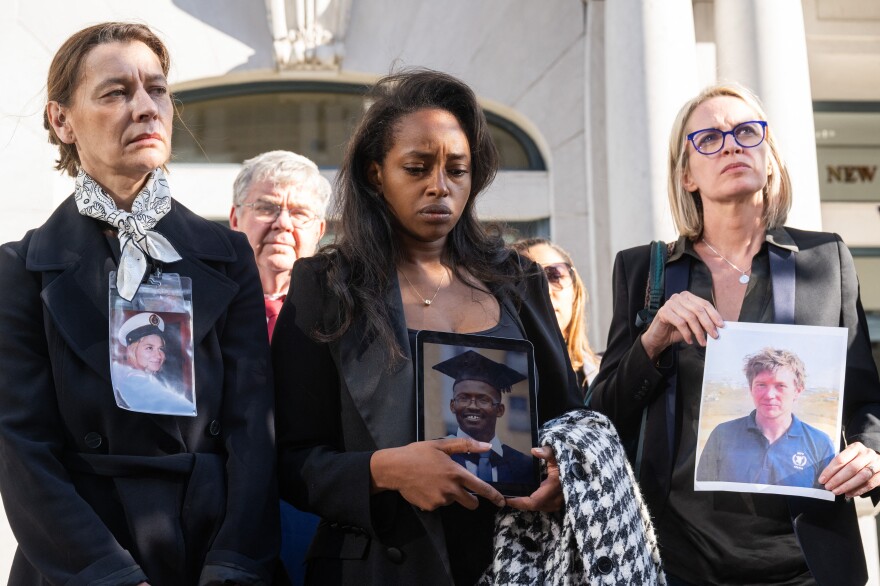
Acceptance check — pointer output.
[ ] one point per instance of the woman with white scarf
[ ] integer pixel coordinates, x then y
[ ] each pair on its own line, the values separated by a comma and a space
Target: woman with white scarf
96, 493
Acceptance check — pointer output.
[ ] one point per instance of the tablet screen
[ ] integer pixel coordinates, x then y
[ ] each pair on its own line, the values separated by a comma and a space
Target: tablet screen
484, 388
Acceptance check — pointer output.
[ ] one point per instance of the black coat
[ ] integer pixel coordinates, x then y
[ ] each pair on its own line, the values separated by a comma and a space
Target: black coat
826, 294
96, 493
338, 402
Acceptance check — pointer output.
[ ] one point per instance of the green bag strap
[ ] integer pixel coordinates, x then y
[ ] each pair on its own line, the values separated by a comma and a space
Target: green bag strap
655, 291
655, 288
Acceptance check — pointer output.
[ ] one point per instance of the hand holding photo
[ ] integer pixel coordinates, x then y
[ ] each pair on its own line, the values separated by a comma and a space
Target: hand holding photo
477, 406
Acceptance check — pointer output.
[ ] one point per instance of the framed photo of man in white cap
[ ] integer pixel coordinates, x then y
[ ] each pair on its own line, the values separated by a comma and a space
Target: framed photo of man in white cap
482, 388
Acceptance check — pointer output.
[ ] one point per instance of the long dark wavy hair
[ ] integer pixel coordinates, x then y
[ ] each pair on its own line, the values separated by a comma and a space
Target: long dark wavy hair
367, 241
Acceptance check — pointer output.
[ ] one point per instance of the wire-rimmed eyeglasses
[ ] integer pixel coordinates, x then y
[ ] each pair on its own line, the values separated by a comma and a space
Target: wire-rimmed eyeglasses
268, 212
559, 274
746, 134
483, 402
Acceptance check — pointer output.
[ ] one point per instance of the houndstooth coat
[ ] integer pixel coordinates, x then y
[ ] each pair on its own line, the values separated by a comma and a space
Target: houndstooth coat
604, 533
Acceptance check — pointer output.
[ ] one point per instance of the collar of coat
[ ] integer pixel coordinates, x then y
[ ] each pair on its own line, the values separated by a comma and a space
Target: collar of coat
71, 251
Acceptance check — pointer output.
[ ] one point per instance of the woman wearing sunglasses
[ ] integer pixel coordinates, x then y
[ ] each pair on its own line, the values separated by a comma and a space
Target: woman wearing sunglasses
569, 297
736, 261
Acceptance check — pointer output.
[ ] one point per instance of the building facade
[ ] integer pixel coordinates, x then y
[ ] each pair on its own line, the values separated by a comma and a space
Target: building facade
581, 95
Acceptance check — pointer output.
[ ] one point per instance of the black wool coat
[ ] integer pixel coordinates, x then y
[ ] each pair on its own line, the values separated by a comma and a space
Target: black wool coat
96, 494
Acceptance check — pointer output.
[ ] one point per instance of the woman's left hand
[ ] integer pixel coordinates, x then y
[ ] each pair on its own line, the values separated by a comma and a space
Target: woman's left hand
853, 472
548, 498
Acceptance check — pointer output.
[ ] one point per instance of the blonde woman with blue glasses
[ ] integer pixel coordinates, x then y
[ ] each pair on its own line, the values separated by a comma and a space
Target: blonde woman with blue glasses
735, 260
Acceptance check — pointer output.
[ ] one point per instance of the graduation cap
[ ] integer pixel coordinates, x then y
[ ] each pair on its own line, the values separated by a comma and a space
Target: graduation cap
471, 365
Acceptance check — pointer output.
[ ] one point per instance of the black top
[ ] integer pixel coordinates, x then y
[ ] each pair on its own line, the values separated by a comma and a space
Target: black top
752, 532
469, 533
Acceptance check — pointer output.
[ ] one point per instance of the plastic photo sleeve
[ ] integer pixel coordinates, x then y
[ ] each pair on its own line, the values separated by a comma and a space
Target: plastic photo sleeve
151, 347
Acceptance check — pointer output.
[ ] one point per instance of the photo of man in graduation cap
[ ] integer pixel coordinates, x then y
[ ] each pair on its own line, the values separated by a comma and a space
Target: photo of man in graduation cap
477, 405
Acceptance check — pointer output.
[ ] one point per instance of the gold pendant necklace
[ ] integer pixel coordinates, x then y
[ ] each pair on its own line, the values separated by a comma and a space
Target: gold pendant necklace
424, 299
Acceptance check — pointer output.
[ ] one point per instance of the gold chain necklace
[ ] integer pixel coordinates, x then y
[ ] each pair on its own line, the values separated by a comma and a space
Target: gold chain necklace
424, 299
744, 278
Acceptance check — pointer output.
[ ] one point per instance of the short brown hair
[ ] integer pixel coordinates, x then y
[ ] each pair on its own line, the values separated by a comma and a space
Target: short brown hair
687, 208
65, 73
771, 360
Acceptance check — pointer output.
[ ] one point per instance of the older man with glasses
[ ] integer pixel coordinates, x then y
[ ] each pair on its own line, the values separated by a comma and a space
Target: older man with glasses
279, 202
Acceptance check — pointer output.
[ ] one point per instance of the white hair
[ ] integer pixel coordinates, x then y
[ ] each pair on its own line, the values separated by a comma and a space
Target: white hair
283, 168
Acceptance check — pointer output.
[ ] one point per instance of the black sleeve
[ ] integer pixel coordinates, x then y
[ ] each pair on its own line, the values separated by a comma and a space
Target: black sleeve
247, 543
627, 381
861, 395
316, 472
60, 533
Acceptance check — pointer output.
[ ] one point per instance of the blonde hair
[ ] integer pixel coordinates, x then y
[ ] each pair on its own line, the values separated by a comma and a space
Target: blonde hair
773, 359
687, 207
575, 333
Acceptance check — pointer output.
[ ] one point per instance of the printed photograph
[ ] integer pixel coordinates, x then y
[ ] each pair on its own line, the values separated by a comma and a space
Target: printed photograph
151, 369
771, 409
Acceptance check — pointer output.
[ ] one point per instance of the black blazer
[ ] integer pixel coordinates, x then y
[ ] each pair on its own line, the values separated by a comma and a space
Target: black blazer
96, 493
826, 294
339, 402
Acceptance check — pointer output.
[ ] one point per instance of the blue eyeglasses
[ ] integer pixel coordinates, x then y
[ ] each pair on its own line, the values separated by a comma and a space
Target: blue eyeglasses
711, 140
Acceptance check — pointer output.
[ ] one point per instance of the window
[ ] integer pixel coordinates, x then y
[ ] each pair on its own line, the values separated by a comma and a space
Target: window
848, 155
229, 124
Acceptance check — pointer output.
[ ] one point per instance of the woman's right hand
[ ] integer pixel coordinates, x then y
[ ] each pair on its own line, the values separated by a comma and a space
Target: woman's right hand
425, 475
684, 317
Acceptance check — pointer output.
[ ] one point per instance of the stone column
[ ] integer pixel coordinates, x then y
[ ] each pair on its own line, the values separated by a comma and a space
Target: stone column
650, 71
763, 46
596, 269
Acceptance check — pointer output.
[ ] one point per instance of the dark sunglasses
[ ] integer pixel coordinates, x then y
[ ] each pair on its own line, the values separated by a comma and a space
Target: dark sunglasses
559, 275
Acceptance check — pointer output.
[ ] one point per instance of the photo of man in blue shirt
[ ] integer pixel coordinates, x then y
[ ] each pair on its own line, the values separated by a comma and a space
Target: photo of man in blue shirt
770, 445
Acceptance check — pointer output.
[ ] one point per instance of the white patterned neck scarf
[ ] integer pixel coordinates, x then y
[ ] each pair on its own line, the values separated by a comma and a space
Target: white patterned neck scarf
137, 239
